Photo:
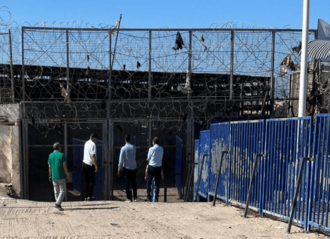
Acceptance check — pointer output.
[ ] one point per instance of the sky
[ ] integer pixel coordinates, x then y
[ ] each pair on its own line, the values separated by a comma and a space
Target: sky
165, 13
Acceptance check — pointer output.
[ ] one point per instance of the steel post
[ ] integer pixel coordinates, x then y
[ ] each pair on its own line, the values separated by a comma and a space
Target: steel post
218, 177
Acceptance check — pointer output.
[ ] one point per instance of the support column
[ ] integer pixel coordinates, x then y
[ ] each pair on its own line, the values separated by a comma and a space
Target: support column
303, 64
232, 38
110, 165
66, 150
11, 69
272, 79
67, 65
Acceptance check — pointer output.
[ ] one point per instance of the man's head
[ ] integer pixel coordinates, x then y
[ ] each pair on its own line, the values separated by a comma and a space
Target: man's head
127, 138
155, 140
57, 146
94, 137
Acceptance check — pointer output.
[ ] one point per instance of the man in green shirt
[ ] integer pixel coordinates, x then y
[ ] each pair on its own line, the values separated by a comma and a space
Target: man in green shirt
58, 174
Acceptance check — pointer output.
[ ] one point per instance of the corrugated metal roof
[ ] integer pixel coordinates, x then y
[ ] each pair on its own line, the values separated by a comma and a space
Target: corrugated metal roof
318, 49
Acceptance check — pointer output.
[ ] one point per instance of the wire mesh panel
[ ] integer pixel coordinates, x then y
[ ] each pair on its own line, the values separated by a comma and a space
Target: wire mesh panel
247, 143
252, 52
40, 145
288, 43
143, 135
220, 142
319, 181
211, 51
6, 81
287, 142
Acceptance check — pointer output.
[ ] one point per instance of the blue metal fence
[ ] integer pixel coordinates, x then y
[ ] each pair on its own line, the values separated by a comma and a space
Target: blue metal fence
319, 184
204, 148
287, 141
282, 143
196, 162
220, 138
247, 141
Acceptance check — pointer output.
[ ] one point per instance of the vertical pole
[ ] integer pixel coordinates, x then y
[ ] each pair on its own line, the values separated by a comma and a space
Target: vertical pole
200, 176
66, 151
303, 63
26, 159
149, 89
24, 129
11, 68
20, 145
110, 67
232, 38
67, 63
150, 131
298, 185
251, 185
109, 174
105, 161
189, 130
218, 177
272, 78
149, 75
189, 62
23, 76
111, 159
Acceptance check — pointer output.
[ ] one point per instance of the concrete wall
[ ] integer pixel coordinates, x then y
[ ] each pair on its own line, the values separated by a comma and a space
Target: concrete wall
10, 147
5, 154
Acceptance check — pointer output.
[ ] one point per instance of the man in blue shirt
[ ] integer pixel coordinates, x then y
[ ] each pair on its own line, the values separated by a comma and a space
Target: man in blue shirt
155, 158
127, 165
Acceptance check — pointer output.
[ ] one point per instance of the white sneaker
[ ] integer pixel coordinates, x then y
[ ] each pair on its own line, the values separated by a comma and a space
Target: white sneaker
127, 200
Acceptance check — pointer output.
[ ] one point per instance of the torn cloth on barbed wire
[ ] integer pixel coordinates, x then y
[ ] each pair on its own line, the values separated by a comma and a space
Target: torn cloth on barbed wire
287, 63
178, 42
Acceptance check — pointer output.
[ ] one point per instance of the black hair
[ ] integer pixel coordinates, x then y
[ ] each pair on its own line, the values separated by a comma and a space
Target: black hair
155, 140
93, 135
127, 138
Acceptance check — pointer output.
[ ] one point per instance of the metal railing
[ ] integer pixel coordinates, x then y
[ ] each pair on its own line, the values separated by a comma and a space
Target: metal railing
285, 185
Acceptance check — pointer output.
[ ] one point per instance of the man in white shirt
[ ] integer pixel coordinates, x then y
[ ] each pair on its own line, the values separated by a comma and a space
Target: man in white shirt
90, 166
127, 165
155, 158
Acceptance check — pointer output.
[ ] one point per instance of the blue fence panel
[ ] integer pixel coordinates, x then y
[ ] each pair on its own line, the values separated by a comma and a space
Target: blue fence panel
319, 185
196, 158
287, 141
220, 139
204, 148
178, 163
78, 155
247, 141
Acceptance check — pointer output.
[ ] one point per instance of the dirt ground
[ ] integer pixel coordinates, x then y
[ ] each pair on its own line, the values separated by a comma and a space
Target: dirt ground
118, 219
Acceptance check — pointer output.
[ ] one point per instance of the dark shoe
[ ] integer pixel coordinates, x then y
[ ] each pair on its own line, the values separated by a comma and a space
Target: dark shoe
156, 199
90, 199
58, 207
149, 199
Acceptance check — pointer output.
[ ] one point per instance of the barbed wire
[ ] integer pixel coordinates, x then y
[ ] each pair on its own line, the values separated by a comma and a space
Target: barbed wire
114, 72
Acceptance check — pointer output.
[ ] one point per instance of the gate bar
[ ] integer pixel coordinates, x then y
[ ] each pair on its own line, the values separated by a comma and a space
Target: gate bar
218, 177
251, 184
200, 175
298, 185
